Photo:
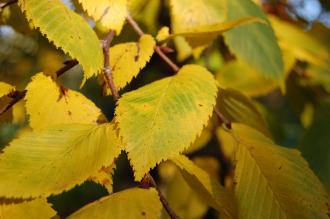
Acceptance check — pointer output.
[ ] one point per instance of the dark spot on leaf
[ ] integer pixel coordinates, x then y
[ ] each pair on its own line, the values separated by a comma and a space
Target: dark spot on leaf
280, 167
143, 213
200, 105
69, 113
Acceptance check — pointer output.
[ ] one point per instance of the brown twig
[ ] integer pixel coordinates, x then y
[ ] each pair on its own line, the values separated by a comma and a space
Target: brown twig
147, 182
18, 95
9, 2
107, 69
158, 50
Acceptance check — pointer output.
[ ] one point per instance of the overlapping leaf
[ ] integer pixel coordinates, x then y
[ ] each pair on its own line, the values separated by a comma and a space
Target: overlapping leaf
5, 89
163, 118
48, 104
240, 76
129, 204
208, 188
187, 14
127, 59
67, 30
254, 44
304, 46
110, 13
240, 109
272, 181
38, 208
56, 159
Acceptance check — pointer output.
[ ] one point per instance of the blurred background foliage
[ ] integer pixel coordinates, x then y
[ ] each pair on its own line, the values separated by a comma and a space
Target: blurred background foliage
297, 113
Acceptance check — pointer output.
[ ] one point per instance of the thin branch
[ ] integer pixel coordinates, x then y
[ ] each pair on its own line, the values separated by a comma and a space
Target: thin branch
147, 182
67, 66
18, 95
158, 49
9, 2
107, 69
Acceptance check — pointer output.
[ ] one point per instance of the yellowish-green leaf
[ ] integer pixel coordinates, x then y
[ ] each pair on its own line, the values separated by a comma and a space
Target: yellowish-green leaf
110, 13
54, 160
5, 89
162, 119
304, 46
186, 14
38, 208
208, 188
240, 76
212, 30
127, 59
256, 43
240, 109
129, 204
272, 181
48, 104
67, 30
201, 140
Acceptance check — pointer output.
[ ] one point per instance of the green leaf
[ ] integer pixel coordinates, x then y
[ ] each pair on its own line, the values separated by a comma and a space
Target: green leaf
315, 143
240, 109
129, 204
255, 43
54, 160
5, 89
272, 181
208, 188
163, 118
38, 208
110, 13
67, 30
47, 104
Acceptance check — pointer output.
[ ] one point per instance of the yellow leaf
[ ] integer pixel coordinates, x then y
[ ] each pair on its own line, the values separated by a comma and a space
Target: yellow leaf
208, 188
272, 181
238, 108
104, 177
200, 141
163, 34
67, 30
186, 14
48, 104
304, 46
182, 199
5, 89
240, 76
128, 204
54, 160
110, 13
163, 118
127, 59
38, 208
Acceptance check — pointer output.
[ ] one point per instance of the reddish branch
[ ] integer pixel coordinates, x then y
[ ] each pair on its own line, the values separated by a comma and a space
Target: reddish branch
107, 69
158, 49
9, 2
